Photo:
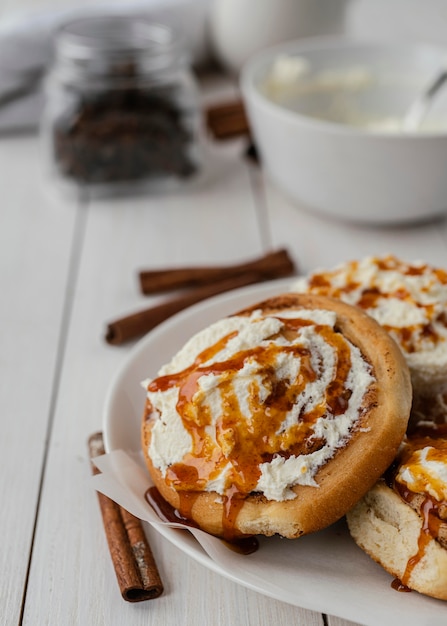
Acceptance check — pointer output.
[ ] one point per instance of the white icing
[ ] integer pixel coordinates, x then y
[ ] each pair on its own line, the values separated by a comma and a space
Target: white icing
170, 440
421, 473
406, 301
344, 95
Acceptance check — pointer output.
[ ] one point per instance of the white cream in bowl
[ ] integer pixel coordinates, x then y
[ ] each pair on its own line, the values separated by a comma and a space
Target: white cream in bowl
362, 96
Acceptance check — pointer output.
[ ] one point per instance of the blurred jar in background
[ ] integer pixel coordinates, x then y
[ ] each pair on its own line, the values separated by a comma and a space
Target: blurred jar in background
239, 28
122, 110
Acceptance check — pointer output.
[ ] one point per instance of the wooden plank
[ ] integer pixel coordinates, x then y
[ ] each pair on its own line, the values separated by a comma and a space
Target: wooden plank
317, 241
71, 579
35, 243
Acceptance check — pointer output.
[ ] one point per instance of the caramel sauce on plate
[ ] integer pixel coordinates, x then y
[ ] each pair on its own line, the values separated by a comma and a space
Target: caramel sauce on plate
244, 443
398, 585
167, 513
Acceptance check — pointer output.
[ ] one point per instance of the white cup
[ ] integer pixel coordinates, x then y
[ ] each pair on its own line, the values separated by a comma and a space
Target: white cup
238, 28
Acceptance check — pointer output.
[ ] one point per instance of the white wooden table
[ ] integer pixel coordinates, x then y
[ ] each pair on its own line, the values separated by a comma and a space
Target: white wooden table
67, 269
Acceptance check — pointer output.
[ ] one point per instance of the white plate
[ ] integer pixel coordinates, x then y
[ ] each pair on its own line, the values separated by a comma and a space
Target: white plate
323, 572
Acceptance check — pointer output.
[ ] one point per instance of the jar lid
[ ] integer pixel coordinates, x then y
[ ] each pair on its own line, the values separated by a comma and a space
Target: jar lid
94, 41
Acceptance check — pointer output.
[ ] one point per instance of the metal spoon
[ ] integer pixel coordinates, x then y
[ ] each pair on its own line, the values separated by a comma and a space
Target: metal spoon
419, 109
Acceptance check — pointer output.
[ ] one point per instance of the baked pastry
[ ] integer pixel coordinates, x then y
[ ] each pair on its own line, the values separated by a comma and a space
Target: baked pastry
410, 301
402, 521
277, 419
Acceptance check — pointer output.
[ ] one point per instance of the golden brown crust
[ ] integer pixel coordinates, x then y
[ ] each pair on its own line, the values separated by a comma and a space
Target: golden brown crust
354, 469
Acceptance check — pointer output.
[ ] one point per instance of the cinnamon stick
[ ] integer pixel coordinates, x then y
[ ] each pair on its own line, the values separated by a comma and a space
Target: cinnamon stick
270, 265
138, 324
227, 120
135, 568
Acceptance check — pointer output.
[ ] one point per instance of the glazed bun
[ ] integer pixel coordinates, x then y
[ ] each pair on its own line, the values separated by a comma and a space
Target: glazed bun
389, 531
277, 419
402, 522
409, 299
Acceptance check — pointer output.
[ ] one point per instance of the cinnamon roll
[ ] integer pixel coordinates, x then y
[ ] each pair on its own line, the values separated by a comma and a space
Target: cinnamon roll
402, 521
277, 419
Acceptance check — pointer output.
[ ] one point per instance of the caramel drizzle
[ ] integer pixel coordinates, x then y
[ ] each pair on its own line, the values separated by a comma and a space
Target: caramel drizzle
408, 337
244, 443
167, 513
429, 529
433, 436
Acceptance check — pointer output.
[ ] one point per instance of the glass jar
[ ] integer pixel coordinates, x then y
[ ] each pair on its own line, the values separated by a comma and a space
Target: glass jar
122, 106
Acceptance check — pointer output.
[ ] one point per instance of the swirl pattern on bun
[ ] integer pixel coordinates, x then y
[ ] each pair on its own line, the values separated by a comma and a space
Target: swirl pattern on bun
410, 301
277, 419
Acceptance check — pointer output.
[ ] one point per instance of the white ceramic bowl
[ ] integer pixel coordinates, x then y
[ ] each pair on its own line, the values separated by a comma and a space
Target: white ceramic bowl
342, 168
